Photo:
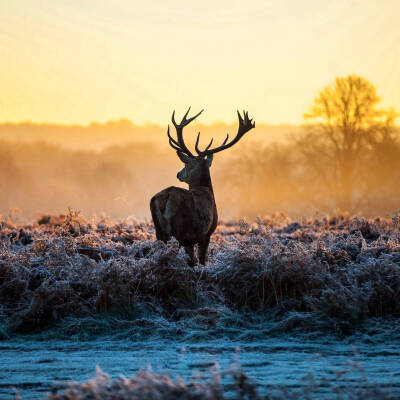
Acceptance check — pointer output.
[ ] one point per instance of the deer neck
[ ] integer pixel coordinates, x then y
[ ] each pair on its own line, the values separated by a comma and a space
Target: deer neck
204, 180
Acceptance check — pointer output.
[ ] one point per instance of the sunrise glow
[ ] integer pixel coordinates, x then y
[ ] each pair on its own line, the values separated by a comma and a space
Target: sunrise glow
82, 61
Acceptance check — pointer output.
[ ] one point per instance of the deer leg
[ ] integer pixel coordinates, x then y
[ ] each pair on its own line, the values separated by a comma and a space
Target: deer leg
190, 251
203, 247
156, 214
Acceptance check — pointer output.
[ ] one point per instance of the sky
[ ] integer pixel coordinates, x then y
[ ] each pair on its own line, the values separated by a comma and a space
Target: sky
79, 61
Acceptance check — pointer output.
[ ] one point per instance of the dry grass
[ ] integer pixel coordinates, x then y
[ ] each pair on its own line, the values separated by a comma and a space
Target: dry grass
329, 273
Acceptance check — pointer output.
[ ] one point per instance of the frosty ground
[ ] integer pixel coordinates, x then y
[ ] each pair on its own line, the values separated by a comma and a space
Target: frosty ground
68, 280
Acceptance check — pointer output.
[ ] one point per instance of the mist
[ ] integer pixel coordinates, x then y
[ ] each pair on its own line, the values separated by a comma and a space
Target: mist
115, 168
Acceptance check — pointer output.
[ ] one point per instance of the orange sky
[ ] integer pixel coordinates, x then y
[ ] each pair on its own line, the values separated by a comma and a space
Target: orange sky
78, 61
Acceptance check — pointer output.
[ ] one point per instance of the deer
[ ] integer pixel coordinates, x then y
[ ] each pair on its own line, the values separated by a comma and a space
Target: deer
190, 215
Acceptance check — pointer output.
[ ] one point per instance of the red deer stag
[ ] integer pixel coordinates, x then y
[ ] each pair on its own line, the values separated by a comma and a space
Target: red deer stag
191, 215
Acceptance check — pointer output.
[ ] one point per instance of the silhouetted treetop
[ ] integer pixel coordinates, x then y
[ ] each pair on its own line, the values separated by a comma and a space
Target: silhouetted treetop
347, 131
349, 103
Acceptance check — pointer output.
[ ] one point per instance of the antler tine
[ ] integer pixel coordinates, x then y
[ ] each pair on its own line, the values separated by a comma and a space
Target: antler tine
173, 118
174, 147
240, 117
196, 146
185, 121
171, 139
188, 121
179, 144
245, 124
209, 145
187, 112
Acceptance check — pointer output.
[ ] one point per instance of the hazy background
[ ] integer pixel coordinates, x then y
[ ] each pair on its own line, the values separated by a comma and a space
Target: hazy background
115, 168
128, 64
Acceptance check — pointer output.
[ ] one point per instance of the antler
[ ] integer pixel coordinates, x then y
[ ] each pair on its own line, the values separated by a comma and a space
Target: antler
245, 124
179, 144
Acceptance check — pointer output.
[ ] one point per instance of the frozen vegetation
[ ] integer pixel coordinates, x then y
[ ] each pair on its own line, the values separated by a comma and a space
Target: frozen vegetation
321, 274
147, 385
63, 276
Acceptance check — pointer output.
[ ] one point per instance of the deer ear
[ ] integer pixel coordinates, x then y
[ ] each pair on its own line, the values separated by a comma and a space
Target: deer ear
209, 160
183, 157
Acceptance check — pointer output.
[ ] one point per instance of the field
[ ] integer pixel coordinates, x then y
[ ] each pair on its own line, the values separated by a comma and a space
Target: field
318, 274
64, 276
279, 119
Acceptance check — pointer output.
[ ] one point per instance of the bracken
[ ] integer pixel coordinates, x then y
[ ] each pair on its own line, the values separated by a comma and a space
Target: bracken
339, 270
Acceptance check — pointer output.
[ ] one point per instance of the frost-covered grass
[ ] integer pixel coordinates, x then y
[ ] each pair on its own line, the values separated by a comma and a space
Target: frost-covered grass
229, 384
315, 274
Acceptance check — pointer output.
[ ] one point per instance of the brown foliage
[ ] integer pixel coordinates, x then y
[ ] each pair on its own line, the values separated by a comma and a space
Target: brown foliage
341, 270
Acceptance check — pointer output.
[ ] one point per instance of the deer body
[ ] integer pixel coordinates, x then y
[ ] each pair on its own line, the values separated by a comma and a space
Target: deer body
191, 215
188, 215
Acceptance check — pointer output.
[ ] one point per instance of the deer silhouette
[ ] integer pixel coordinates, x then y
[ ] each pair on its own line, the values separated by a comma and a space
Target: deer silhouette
191, 215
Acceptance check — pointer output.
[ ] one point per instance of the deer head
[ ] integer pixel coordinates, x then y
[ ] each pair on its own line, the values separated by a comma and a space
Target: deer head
196, 170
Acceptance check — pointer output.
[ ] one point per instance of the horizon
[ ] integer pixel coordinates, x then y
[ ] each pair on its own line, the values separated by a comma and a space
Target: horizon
126, 122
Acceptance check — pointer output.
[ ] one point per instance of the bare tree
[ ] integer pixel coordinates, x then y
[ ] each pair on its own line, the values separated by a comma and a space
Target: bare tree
347, 126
